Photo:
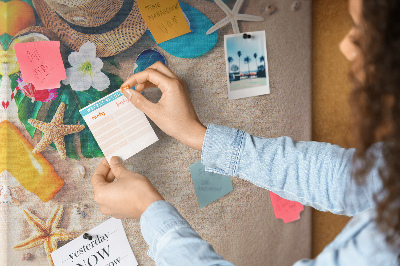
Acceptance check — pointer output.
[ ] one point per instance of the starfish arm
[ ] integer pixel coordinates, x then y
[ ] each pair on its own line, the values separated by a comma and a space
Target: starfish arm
219, 25
235, 26
55, 217
224, 7
43, 143
71, 129
30, 242
65, 235
237, 6
247, 17
35, 222
49, 246
42, 126
60, 145
59, 115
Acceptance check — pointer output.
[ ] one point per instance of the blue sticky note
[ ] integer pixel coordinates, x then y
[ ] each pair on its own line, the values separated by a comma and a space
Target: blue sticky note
209, 186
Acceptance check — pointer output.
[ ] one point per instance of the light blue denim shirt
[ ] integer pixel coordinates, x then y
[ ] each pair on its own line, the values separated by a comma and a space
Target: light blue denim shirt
312, 173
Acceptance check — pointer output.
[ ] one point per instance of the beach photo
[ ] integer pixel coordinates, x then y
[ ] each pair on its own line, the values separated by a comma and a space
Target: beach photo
246, 64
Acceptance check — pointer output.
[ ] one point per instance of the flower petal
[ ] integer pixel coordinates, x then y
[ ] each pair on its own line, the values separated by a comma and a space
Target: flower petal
97, 64
76, 59
100, 81
88, 49
80, 81
70, 73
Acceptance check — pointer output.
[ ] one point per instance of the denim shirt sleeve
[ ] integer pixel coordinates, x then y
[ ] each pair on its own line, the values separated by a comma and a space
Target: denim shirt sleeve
312, 173
172, 241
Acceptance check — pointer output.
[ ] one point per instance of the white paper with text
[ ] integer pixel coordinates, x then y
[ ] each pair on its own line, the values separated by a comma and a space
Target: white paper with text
108, 247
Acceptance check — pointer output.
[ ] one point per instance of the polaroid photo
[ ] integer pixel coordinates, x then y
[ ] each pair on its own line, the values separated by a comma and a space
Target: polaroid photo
246, 64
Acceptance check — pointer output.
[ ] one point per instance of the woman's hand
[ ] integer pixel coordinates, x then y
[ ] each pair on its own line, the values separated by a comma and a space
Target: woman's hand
173, 113
127, 197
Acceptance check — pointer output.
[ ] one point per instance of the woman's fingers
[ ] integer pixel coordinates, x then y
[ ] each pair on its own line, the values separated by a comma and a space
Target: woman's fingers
160, 67
100, 174
147, 76
143, 86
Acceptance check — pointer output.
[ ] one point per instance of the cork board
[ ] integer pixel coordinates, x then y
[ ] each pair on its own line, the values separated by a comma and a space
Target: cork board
240, 226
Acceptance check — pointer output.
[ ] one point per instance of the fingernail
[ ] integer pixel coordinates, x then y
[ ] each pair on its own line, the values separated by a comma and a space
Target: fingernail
127, 93
115, 160
124, 88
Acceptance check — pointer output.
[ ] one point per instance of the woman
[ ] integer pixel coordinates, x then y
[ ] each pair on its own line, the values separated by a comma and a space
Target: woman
317, 174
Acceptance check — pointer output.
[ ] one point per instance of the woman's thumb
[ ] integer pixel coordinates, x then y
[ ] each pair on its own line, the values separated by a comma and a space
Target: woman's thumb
116, 166
138, 100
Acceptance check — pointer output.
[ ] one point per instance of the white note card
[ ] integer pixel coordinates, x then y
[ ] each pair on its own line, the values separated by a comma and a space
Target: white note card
118, 126
109, 246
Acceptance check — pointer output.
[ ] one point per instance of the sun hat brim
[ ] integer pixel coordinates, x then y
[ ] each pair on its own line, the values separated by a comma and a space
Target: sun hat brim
108, 43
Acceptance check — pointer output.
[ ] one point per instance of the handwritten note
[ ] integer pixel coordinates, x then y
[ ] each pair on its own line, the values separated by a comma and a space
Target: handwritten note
209, 186
164, 18
284, 209
118, 126
41, 63
109, 246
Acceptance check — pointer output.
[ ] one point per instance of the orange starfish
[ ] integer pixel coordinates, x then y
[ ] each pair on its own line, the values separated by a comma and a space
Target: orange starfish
47, 233
54, 132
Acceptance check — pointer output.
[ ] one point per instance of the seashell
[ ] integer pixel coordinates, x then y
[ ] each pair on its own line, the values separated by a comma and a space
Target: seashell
80, 171
27, 256
269, 10
295, 6
79, 209
17, 195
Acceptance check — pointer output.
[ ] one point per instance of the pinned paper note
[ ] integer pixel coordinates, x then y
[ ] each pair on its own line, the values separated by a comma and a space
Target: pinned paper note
108, 246
209, 186
284, 209
118, 126
164, 18
41, 63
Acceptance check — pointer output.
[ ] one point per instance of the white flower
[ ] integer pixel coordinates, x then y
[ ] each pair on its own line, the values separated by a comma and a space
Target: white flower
85, 71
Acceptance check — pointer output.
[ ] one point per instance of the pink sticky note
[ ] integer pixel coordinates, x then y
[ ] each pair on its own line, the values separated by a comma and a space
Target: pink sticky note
41, 63
284, 209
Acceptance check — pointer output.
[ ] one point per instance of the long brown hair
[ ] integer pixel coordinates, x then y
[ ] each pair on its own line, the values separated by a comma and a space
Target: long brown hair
376, 107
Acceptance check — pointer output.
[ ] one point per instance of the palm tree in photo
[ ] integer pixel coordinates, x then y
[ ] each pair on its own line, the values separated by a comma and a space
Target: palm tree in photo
262, 72
230, 60
239, 54
247, 60
262, 59
255, 57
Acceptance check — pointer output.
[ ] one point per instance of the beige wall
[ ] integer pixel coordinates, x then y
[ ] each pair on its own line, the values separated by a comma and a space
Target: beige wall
331, 89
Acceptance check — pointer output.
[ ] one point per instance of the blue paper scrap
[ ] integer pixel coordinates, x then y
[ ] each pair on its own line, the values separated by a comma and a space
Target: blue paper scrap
209, 186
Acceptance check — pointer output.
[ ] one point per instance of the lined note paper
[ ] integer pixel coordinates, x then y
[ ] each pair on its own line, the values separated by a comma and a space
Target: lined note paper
118, 126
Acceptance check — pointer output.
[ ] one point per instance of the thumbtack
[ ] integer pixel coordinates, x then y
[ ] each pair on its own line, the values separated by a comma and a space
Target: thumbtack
246, 36
87, 236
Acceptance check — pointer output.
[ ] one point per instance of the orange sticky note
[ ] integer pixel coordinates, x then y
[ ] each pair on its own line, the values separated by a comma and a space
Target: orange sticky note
41, 64
284, 209
164, 18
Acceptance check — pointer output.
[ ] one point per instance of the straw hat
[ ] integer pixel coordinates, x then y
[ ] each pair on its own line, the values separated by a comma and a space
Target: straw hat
113, 25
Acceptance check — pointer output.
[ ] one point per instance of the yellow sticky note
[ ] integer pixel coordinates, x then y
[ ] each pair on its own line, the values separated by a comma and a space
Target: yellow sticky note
164, 18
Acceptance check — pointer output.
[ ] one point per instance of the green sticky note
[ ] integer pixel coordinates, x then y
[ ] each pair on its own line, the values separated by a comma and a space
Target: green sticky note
209, 186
